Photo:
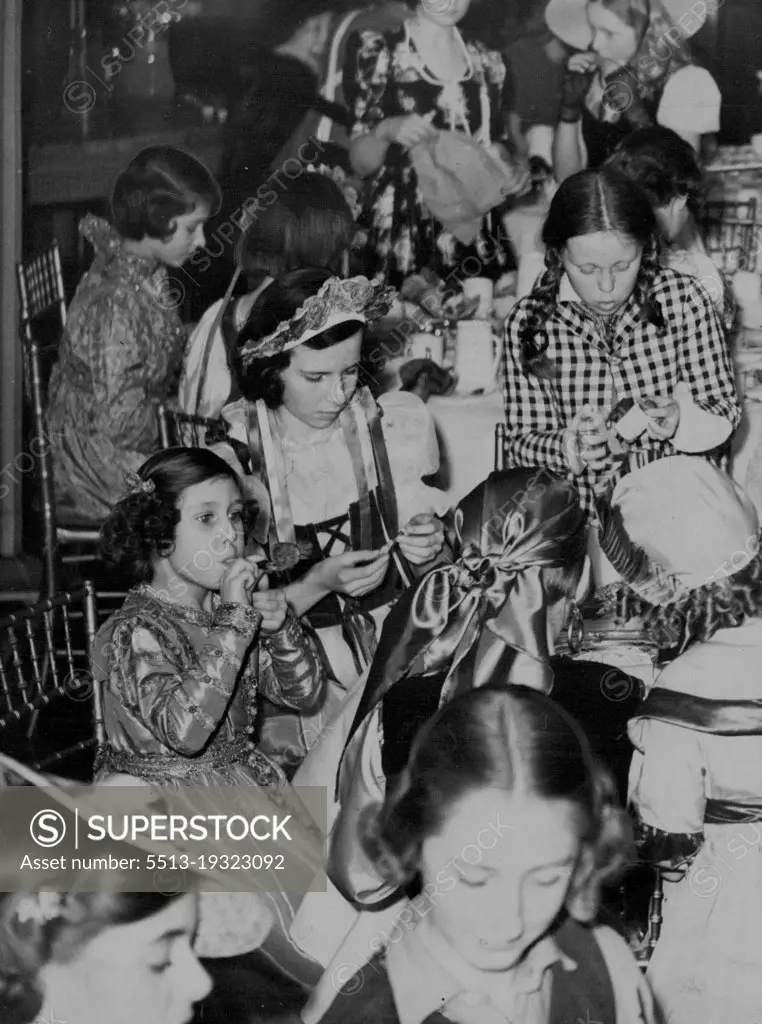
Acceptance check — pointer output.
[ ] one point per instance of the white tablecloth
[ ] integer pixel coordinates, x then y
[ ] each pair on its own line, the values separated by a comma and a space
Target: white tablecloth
466, 434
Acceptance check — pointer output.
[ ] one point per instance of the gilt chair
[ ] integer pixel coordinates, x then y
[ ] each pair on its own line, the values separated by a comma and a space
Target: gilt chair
51, 708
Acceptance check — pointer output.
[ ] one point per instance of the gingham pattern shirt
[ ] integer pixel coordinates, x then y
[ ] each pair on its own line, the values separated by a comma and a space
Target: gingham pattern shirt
641, 361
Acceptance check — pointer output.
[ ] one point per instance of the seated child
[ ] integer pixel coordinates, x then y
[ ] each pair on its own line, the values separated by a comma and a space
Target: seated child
198, 640
667, 169
502, 828
689, 550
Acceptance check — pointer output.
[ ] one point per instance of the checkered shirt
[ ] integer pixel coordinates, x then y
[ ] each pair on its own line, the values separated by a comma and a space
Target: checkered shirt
641, 361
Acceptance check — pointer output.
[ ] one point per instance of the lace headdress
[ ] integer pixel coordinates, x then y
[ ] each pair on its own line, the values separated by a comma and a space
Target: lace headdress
337, 302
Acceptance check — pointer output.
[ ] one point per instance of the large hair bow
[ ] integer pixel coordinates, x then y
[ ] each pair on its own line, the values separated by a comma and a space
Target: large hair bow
469, 619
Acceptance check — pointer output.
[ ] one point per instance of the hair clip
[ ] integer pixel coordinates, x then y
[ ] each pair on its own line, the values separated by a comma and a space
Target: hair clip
40, 908
137, 485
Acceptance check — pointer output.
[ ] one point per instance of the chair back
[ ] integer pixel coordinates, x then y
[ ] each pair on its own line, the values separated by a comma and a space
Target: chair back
41, 289
40, 447
731, 234
51, 710
186, 429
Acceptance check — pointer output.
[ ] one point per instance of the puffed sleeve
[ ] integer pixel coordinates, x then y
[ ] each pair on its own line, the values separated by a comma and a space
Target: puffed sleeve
181, 701
667, 791
366, 72
690, 102
290, 670
411, 442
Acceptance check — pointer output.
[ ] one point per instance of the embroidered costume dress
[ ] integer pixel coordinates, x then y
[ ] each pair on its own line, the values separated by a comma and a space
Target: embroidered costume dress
180, 696
384, 76
322, 489
603, 360
696, 785
119, 357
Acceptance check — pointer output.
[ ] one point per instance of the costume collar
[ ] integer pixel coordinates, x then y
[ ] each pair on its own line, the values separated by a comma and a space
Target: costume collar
110, 252
426, 973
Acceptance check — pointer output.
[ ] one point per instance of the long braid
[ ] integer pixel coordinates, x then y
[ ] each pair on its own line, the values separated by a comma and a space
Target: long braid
650, 312
543, 299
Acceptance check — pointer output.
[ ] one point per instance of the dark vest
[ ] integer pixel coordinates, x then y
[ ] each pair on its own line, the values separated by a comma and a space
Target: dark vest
585, 994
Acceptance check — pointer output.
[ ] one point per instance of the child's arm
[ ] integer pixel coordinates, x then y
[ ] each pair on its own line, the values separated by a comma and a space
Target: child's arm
534, 433
291, 672
703, 357
181, 694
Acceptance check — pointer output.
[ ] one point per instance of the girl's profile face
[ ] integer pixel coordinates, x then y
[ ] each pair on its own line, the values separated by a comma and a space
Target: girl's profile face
615, 40
603, 268
187, 237
210, 533
317, 385
498, 874
145, 971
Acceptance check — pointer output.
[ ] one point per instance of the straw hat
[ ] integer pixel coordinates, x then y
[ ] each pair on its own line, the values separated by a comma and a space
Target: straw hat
567, 19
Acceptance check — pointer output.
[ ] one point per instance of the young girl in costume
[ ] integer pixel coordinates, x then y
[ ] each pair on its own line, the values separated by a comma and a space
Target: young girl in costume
624, 75
505, 828
121, 351
604, 325
686, 541
197, 641
343, 474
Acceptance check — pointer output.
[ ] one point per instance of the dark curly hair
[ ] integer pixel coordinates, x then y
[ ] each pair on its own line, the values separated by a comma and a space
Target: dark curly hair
160, 184
279, 302
662, 164
141, 527
721, 604
510, 738
586, 203
26, 946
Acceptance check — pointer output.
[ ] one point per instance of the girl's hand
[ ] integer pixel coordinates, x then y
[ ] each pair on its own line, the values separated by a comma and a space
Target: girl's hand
353, 573
238, 580
663, 417
272, 604
422, 539
407, 130
577, 79
583, 63
586, 442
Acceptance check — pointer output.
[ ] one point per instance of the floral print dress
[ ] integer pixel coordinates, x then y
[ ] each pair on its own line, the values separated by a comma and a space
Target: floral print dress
384, 76
119, 357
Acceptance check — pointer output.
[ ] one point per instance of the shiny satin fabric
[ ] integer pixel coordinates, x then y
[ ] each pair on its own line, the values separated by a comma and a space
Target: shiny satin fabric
462, 625
473, 616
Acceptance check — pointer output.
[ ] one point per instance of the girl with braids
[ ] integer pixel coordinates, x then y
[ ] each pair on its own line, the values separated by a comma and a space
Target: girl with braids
685, 542
604, 330
632, 69
502, 828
